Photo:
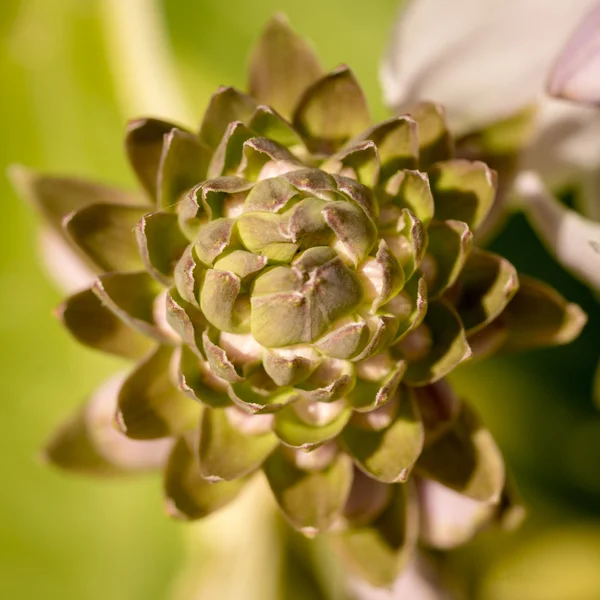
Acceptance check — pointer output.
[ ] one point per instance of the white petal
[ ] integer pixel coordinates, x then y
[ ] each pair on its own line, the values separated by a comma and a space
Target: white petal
574, 240
576, 75
565, 151
416, 582
113, 445
482, 59
448, 518
66, 268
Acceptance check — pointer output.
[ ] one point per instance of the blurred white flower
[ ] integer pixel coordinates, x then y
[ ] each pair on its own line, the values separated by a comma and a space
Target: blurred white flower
486, 60
417, 582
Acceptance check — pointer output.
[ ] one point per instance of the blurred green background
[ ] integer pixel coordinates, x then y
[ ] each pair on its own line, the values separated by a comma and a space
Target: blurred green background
66, 95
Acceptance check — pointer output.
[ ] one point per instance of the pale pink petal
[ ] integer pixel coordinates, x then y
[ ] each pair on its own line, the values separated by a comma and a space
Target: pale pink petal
64, 265
448, 518
417, 582
113, 445
576, 74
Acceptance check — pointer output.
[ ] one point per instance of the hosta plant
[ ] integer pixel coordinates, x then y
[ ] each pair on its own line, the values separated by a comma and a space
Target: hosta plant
294, 284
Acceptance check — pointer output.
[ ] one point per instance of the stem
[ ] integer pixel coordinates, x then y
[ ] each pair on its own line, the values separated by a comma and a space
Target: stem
234, 553
141, 62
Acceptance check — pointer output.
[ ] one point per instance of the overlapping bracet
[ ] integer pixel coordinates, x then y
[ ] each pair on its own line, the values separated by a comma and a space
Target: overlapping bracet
295, 284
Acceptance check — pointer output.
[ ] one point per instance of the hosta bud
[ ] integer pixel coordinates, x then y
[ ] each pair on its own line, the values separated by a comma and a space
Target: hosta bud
296, 282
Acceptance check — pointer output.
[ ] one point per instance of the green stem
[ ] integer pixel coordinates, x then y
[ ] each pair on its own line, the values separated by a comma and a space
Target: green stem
234, 553
141, 62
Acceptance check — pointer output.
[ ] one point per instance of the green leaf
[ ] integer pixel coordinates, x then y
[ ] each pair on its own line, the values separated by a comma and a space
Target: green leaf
397, 144
132, 297
228, 452
463, 190
361, 157
504, 137
300, 425
484, 287
314, 182
144, 145
220, 363
449, 245
489, 340
465, 459
198, 381
270, 195
307, 308
259, 152
187, 495
161, 244
411, 189
383, 331
332, 111
257, 394
332, 380
222, 303
379, 552
208, 201
597, 386
360, 194
185, 319
282, 66
88, 443
228, 154
183, 163
312, 500
213, 239
150, 406
289, 367
388, 276
409, 306
539, 316
258, 230
408, 242
345, 341
447, 346
439, 407
56, 197
352, 228
386, 442
188, 274
104, 232
226, 105
369, 395
241, 263
94, 325
270, 124
435, 141
368, 499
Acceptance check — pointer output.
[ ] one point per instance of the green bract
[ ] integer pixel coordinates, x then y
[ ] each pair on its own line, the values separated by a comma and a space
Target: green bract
296, 282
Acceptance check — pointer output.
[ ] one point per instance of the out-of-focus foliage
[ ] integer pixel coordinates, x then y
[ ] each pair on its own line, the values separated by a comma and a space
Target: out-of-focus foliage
66, 538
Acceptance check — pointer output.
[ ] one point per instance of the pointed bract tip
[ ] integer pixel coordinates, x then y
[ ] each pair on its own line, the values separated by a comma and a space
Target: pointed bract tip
173, 512
17, 172
118, 423
576, 319
343, 68
279, 18
43, 457
20, 178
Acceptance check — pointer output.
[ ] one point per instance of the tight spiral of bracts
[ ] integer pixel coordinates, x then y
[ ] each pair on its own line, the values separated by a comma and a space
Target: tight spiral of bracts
295, 283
